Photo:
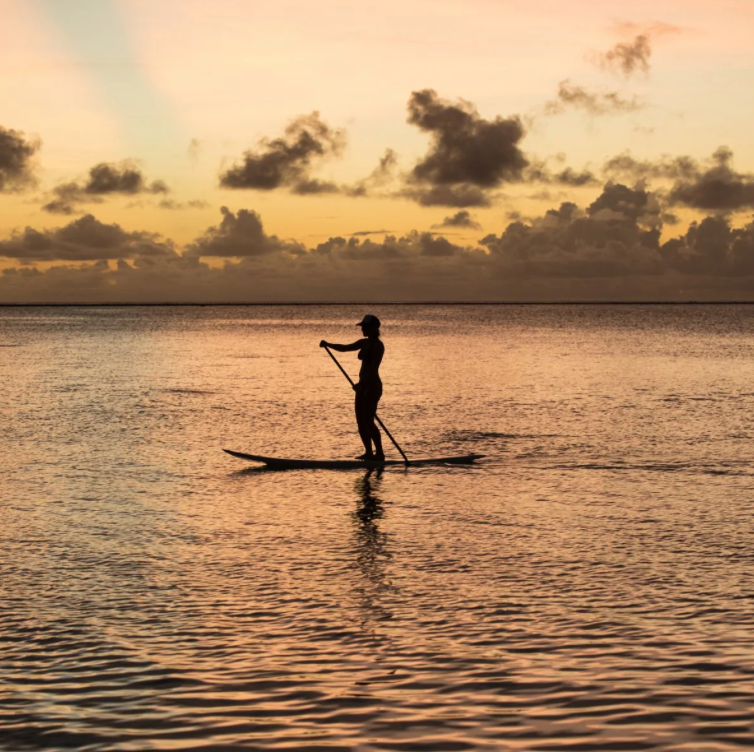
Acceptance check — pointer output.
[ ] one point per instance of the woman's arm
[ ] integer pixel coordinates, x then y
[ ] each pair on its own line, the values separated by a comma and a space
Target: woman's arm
343, 348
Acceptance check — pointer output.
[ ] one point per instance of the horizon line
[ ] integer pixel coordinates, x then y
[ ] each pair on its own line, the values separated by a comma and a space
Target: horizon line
382, 303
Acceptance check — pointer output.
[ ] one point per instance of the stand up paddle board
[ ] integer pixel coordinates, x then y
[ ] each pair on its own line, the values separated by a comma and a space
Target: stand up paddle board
288, 464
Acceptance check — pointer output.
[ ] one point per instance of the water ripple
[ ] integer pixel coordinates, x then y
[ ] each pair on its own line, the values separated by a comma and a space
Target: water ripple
587, 587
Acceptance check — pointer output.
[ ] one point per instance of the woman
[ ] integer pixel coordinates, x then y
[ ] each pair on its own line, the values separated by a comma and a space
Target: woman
369, 388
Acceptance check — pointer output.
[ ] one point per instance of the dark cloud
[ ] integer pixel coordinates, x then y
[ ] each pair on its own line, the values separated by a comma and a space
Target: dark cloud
170, 204
610, 250
618, 235
608, 239
569, 176
668, 218
593, 102
239, 235
629, 58
437, 246
364, 233
540, 172
448, 195
124, 178
618, 202
460, 219
16, 160
546, 195
384, 173
84, 239
712, 185
66, 198
712, 248
468, 155
338, 269
415, 244
718, 188
286, 161
466, 149
313, 186
625, 166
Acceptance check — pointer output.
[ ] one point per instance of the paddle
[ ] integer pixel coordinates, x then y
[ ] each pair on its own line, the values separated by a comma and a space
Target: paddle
376, 417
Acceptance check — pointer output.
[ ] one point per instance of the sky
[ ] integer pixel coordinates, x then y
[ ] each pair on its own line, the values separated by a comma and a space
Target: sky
421, 150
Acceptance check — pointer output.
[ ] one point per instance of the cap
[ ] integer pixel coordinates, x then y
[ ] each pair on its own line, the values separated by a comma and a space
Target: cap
370, 320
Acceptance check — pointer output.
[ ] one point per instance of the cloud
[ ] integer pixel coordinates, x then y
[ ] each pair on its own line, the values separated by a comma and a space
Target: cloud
437, 246
338, 269
712, 185
468, 155
712, 248
611, 249
593, 102
540, 172
299, 182
239, 235
628, 58
124, 178
460, 219
718, 188
547, 195
448, 195
385, 170
84, 239
363, 233
66, 196
286, 161
574, 178
622, 203
170, 204
313, 186
16, 160
617, 235
626, 166
466, 149
406, 248
383, 174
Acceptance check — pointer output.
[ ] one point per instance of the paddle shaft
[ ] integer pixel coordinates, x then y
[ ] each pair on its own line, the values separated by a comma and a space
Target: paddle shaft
376, 417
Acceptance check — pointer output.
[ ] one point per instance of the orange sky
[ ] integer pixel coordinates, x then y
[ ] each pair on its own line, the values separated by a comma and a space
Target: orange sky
182, 88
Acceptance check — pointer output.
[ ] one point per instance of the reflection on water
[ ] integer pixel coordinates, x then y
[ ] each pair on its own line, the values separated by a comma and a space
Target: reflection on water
589, 586
372, 548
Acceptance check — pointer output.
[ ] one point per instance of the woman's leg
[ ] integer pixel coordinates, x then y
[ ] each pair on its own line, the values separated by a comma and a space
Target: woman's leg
374, 432
376, 437
362, 421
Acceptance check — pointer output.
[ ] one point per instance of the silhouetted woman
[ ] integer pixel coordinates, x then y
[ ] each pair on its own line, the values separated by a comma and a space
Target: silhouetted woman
369, 388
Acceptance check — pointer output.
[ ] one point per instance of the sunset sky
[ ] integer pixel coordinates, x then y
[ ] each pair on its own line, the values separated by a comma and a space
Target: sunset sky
239, 151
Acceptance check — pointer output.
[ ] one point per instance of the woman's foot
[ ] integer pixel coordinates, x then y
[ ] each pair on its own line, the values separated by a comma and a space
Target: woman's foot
379, 456
365, 456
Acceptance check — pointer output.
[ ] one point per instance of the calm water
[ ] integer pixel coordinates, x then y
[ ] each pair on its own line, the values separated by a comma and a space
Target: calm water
589, 586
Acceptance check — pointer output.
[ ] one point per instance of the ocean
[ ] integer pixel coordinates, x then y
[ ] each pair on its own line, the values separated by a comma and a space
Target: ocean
588, 585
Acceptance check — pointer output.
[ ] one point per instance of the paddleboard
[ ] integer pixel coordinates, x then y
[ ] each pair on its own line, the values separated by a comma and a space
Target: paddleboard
281, 463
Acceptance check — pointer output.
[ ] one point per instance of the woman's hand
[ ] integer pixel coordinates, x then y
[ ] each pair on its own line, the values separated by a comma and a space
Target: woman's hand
323, 343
